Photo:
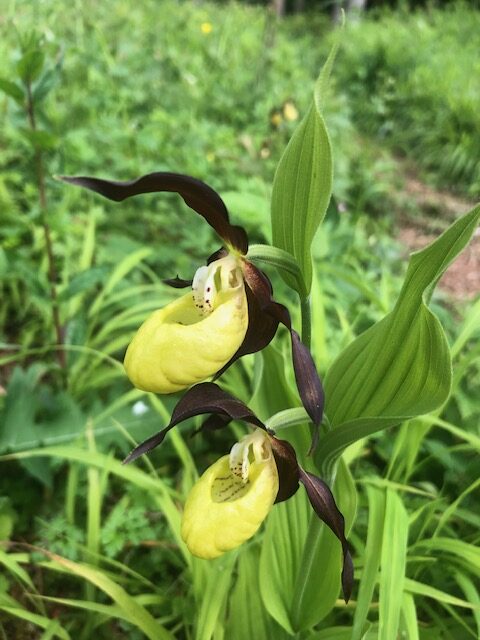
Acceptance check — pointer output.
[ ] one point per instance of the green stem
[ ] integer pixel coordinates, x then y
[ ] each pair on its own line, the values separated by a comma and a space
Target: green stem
287, 418
282, 260
306, 321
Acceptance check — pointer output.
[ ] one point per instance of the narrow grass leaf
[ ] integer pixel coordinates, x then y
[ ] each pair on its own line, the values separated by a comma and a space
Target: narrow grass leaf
421, 589
161, 493
393, 562
15, 569
52, 631
409, 616
120, 271
371, 558
135, 613
36, 619
471, 592
344, 633
458, 548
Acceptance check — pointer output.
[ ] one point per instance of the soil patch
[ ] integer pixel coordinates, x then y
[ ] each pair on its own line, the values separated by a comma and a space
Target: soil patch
438, 209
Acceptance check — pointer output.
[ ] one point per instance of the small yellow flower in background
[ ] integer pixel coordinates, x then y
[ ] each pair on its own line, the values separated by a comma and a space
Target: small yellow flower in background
276, 119
232, 498
206, 27
179, 345
290, 111
210, 156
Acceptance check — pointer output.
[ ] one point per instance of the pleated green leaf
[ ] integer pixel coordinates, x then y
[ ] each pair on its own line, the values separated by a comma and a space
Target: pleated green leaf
215, 585
301, 559
302, 185
247, 616
393, 561
401, 366
281, 557
318, 580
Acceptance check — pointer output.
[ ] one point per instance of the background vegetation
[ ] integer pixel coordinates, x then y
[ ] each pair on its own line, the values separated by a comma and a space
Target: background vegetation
120, 89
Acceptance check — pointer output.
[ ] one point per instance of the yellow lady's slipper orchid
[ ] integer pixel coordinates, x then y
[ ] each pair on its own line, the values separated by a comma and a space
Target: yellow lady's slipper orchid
232, 498
232, 312
193, 337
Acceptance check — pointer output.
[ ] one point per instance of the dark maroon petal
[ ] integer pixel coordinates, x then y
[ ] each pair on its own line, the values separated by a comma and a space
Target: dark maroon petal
287, 467
205, 397
308, 382
306, 376
323, 503
195, 193
177, 283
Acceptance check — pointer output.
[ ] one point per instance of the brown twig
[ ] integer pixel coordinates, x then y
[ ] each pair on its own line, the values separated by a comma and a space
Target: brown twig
52, 272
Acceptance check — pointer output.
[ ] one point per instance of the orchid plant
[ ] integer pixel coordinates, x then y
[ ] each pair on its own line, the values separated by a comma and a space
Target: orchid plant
229, 313
398, 369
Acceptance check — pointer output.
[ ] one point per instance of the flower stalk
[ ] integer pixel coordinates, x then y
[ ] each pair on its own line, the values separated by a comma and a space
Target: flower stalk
42, 196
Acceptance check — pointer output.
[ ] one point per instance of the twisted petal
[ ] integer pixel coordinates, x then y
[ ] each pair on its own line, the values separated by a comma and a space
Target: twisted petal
195, 193
177, 346
203, 398
306, 376
322, 500
221, 512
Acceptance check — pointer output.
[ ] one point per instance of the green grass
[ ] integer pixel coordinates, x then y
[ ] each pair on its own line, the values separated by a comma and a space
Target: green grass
413, 83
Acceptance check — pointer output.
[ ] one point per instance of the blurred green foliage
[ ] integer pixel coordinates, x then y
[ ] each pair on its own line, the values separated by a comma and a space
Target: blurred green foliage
125, 88
413, 82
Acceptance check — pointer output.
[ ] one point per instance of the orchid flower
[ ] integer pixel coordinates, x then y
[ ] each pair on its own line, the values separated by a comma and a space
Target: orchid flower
229, 502
229, 313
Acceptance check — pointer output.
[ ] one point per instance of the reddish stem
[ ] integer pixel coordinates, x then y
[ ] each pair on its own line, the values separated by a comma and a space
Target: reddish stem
52, 272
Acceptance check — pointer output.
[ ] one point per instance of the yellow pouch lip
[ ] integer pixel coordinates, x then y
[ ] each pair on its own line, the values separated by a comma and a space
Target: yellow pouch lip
210, 528
177, 346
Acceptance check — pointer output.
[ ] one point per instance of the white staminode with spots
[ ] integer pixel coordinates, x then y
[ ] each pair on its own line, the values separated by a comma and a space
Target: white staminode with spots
209, 282
252, 448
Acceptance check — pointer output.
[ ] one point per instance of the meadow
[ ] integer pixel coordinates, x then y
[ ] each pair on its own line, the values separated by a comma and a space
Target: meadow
92, 548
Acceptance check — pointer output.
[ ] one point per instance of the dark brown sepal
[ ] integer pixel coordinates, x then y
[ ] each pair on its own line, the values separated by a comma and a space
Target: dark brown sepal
195, 193
306, 376
216, 255
287, 467
177, 283
205, 397
324, 505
